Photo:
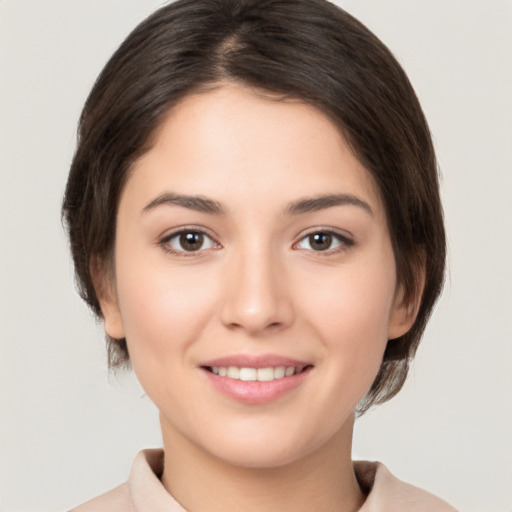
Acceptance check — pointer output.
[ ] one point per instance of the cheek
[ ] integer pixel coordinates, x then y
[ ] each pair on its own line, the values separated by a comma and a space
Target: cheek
162, 310
351, 310
356, 302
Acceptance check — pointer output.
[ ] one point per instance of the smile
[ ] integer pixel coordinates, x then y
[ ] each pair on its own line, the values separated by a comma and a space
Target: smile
249, 374
255, 380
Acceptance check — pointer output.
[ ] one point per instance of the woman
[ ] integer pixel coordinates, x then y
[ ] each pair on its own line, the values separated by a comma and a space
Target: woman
253, 211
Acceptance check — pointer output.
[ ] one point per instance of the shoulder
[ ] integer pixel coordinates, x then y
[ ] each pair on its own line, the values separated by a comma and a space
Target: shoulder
116, 500
388, 493
142, 491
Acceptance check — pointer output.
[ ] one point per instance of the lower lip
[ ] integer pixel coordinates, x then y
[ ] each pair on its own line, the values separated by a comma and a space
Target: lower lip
255, 392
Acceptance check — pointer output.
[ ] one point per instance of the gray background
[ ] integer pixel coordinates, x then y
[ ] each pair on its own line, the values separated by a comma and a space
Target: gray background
68, 431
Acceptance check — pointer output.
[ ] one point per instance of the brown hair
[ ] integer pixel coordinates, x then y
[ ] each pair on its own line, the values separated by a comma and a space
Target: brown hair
305, 49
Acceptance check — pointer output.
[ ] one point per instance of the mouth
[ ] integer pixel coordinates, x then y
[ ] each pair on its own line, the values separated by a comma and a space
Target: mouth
251, 374
256, 380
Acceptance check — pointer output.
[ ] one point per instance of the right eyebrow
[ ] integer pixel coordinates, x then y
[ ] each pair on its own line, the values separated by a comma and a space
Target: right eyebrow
198, 203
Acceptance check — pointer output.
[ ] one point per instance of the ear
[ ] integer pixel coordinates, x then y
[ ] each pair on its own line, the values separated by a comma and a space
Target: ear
104, 285
405, 310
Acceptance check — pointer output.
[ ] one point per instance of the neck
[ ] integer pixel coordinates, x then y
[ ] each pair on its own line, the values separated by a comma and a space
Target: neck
323, 480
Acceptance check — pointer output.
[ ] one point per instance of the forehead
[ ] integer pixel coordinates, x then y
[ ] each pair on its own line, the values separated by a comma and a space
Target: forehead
235, 144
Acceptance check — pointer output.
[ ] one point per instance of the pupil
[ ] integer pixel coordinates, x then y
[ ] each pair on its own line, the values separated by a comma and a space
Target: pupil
191, 241
320, 241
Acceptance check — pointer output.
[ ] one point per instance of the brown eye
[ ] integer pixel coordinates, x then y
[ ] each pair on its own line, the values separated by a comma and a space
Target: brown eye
188, 242
320, 241
192, 241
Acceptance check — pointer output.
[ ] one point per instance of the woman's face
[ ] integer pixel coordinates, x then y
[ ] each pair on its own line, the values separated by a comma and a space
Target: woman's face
252, 244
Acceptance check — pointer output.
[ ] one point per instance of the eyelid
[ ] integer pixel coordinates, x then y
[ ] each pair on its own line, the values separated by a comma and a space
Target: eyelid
164, 240
346, 240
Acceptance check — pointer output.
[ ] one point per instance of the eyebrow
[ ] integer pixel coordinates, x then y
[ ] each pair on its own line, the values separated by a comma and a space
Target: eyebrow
314, 204
198, 203
306, 205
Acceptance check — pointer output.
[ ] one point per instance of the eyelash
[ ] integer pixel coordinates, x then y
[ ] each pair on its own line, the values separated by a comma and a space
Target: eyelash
165, 242
343, 241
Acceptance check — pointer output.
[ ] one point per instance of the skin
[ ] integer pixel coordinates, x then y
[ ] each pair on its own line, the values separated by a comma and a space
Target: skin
256, 286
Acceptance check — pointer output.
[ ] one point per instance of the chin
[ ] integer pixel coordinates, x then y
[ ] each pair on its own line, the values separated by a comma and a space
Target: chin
278, 449
255, 458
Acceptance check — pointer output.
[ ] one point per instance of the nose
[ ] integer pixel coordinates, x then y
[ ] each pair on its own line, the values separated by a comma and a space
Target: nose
256, 297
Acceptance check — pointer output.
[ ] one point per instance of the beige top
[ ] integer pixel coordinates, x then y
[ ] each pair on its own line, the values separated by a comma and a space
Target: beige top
143, 492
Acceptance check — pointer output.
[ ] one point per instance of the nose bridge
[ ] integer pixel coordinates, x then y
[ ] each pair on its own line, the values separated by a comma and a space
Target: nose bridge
256, 297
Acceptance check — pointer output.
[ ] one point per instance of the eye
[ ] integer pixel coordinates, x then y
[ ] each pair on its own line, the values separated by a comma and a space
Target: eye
188, 241
322, 241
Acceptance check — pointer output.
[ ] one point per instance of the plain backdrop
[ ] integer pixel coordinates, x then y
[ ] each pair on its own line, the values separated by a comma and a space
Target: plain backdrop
68, 430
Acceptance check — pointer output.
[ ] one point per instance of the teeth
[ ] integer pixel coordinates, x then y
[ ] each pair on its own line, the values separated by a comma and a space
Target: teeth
248, 374
233, 372
289, 371
279, 372
255, 374
265, 374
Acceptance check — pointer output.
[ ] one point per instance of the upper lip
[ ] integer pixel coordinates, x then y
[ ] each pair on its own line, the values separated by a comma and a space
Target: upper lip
255, 361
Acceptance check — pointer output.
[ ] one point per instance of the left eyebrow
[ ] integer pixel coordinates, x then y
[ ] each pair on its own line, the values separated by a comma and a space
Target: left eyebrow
314, 204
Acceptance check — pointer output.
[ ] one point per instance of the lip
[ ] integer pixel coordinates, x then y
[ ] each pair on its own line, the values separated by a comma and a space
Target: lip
256, 392
260, 361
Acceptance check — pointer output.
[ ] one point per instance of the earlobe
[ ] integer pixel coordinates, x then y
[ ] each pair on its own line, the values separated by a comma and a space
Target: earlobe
104, 287
405, 309
112, 322
402, 317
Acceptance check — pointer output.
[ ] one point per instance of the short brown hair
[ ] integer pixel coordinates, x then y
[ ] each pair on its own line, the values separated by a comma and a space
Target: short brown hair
305, 49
